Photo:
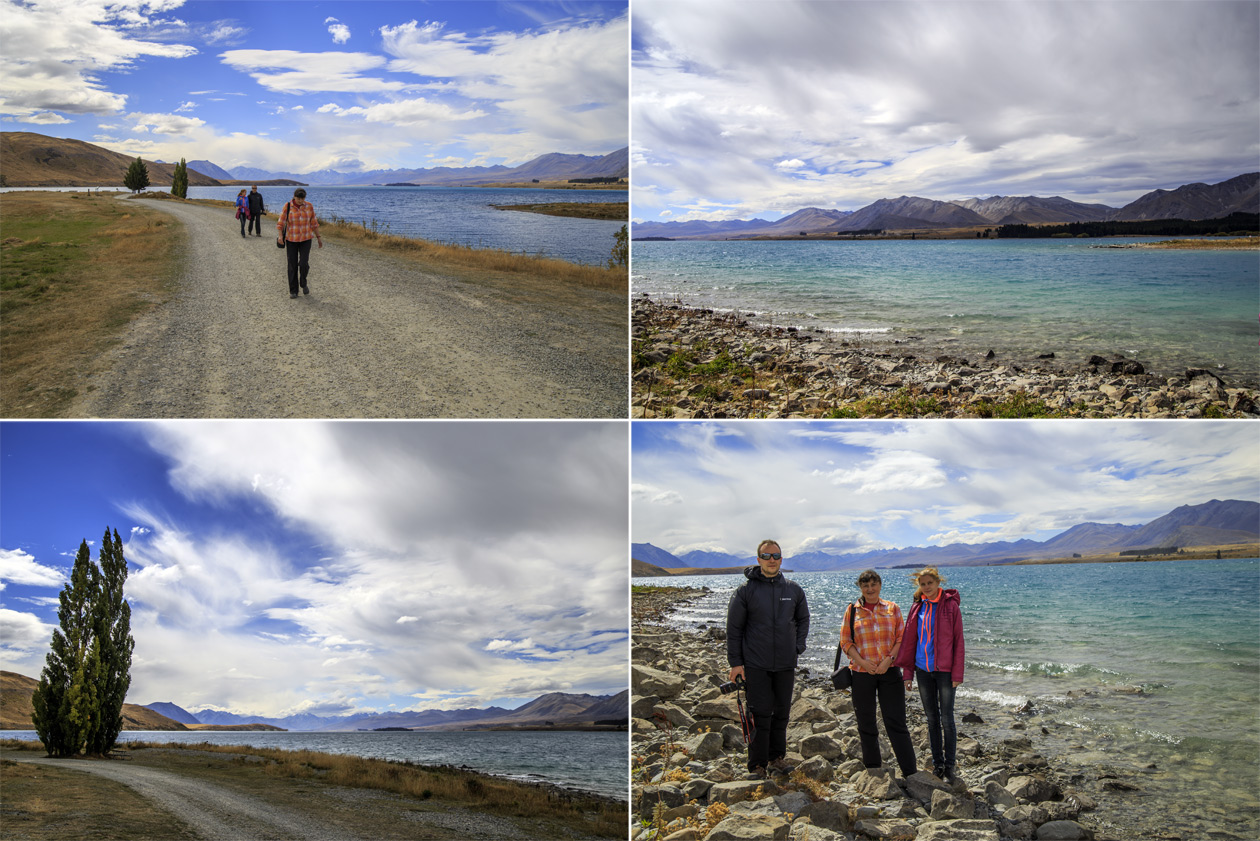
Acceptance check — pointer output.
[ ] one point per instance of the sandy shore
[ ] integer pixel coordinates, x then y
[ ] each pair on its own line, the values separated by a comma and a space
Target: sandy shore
691, 362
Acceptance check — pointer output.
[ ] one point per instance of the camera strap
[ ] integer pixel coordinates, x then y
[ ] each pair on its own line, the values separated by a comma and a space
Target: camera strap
746, 722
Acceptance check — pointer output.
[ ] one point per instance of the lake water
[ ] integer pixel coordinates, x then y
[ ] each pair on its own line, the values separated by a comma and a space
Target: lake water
597, 762
1169, 309
457, 216
1073, 639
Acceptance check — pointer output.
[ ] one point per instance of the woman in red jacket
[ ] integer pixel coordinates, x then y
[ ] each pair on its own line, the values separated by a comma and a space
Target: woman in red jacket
932, 651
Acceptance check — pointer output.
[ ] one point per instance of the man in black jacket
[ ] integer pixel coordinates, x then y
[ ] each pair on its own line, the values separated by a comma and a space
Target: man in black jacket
256, 211
767, 622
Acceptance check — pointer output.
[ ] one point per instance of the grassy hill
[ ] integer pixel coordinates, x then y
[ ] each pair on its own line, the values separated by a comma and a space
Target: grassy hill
16, 708
34, 160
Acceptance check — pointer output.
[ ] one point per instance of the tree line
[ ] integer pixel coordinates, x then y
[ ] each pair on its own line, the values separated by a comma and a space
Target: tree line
137, 178
1239, 223
78, 703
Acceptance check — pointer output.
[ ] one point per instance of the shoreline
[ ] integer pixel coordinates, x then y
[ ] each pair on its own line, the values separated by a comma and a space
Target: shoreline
694, 362
1020, 767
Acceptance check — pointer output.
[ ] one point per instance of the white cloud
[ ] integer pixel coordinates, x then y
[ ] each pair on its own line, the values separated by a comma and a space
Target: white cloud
23, 635
290, 71
165, 124
339, 31
18, 567
408, 112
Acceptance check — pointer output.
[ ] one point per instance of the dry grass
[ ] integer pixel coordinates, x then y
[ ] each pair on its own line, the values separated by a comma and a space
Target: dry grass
76, 270
614, 211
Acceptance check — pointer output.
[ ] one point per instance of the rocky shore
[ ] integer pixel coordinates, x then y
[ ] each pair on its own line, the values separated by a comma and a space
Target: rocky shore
690, 362
688, 772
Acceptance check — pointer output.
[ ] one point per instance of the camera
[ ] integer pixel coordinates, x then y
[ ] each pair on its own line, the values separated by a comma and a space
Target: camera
728, 688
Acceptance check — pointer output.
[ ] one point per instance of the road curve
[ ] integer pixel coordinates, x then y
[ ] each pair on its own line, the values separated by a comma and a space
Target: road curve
378, 337
215, 812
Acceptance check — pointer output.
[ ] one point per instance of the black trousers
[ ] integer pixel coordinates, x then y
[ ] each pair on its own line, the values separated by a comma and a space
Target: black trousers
255, 224
890, 693
770, 703
299, 254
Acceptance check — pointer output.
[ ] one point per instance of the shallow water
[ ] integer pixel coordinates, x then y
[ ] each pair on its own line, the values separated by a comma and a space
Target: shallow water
1078, 641
1169, 309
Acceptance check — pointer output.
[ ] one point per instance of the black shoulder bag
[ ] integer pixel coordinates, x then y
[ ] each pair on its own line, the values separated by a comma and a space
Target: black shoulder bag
843, 678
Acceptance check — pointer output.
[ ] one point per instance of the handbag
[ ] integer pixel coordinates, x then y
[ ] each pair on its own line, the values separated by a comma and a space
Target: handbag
843, 678
284, 229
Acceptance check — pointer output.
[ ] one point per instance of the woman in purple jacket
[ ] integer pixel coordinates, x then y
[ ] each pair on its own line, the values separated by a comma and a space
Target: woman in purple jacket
932, 650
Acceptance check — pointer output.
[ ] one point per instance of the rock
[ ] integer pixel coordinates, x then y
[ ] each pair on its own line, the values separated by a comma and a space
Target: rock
749, 828
675, 715
829, 814
740, 790
817, 768
821, 744
804, 831
793, 802
1128, 367
649, 681
960, 830
643, 706
722, 707
705, 746
922, 784
948, 806
805, 711
1032, 789
997, 795
668, 796
877, 784
688, 834
892, 828
1062, 831
972, 718
1031, 813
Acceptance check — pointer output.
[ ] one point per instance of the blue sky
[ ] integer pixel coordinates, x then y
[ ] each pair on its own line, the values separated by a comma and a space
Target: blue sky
282, 567
761, 107
853, 486
301, 86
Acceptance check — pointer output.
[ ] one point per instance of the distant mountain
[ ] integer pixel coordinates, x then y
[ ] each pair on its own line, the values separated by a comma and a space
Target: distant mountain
550, 167
1197, 201
1211, 523
33, 160
172, 711
913, 213
213, 170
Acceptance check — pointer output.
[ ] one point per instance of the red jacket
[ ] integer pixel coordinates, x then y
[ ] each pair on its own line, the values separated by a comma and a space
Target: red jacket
950, 651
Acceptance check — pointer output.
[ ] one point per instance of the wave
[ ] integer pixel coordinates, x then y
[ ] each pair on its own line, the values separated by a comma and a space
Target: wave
1045, 669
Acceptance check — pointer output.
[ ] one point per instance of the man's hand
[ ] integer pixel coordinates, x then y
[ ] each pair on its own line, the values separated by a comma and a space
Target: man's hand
736, 671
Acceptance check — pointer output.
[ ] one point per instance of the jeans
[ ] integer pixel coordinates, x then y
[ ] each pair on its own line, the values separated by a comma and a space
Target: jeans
244, 221
299, 254
936, 689
891, 694
770, 703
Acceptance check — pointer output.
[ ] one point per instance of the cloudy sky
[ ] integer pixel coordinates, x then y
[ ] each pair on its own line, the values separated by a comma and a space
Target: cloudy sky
331, 567
854, 486
761, 107
300, 86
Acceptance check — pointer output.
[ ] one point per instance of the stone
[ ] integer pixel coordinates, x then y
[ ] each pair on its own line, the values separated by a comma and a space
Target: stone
688, 834
643, 706
675, 715
829, 814
667, 795
1032, 789
821, 744
792, 803
946, 806
1032, 813
960, 830
887, 828
997, 795
817, 768
921, 786
722, 707
1062, 831
740, 790
645, 680
805, 711
704, 747
750, 828
803, 831
877, 784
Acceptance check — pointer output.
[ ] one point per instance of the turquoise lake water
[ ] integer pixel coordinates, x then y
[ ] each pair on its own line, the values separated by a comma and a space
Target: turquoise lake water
1169, 309
596, 762
1076, 640
458, 216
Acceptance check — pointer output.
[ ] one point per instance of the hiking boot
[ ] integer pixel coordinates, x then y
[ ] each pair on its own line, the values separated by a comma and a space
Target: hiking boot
758, 773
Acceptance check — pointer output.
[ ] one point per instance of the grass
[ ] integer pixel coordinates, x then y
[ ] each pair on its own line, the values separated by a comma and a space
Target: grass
614, 211
290, 778
75, 269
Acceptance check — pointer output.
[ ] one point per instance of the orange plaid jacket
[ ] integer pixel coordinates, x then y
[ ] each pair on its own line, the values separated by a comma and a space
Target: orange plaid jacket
878, 632
298, 224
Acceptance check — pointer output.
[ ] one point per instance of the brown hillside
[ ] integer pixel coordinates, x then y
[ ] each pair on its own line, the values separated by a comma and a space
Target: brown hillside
33, 160
642, 569
16, 708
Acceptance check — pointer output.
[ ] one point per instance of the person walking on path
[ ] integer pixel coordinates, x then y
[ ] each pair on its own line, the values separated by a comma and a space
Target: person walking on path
297, 225
932, 650
242, 209
256, 211
873, 648
767, 622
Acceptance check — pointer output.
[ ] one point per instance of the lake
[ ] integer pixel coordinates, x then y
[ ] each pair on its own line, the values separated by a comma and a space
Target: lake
595, 762
1169, 309
1075, 640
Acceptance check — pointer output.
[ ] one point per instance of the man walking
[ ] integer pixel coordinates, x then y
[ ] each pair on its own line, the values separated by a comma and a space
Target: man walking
767, 622
256, 211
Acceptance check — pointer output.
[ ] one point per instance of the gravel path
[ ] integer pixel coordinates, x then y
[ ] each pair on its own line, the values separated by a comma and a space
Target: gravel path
378, 337
219, 814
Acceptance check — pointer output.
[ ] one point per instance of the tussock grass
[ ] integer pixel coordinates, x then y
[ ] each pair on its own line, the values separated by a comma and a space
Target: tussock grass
75, 269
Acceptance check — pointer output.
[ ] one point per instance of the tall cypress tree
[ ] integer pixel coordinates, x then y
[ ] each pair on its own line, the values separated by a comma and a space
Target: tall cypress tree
179, 183
111, 620
137, 177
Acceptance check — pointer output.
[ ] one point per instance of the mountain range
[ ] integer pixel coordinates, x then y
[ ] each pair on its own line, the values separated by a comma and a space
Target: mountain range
35, 160
1214, 523
912, 213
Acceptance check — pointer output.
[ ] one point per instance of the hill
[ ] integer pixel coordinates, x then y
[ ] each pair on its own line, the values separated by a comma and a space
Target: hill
16, 708
914, 213
33, 160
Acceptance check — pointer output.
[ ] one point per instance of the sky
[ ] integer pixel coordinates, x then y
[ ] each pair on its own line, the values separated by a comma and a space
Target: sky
297, 86
757, 108
852, 486
331, 567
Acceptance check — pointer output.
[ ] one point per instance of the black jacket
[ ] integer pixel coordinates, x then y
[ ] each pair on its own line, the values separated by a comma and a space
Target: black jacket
767, 622
256, 204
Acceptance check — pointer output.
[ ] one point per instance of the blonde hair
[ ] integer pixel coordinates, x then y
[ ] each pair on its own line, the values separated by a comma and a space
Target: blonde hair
763, 544
931, 572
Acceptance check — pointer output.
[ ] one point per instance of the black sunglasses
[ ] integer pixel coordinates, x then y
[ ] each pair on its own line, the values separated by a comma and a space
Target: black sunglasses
765, 556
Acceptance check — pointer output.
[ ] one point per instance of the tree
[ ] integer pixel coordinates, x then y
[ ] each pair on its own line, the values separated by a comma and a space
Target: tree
137, 177
179, 184
78, 703
620, 254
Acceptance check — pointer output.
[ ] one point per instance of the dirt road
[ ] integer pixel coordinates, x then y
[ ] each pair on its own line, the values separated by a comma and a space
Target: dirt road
378, 337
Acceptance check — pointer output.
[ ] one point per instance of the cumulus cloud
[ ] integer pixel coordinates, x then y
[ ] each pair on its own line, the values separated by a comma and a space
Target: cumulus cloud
291, 71
165, 123
409, 112
339, 31
18, 567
